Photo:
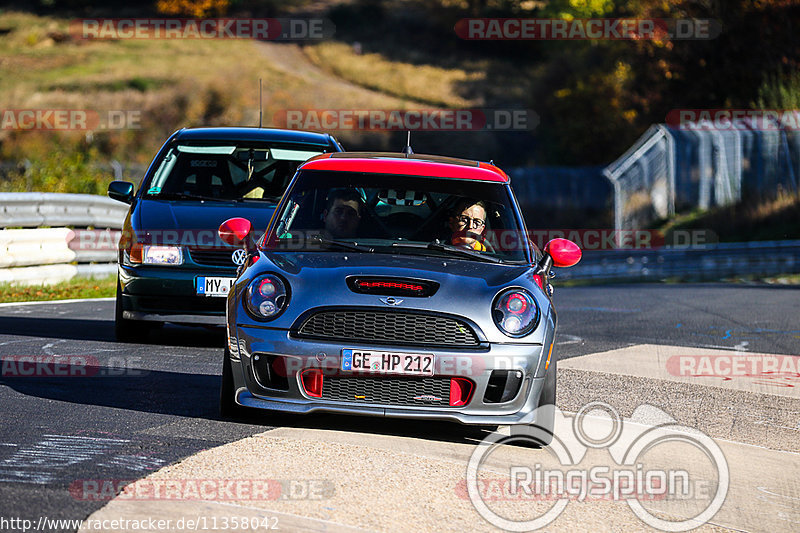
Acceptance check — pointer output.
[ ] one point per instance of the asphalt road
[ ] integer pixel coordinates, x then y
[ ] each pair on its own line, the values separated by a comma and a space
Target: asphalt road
752, 318
143, 406
138, 407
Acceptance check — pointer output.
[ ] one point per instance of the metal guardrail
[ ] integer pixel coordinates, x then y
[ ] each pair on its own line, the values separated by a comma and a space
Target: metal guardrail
37, 209
46, 274
712, 261
32, 247
55, 253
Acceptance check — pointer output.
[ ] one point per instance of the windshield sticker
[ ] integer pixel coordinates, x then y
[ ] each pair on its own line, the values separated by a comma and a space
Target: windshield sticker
217, 150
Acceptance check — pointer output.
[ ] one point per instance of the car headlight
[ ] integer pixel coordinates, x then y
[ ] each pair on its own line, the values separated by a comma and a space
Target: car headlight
515, 312
162, 255
266, 297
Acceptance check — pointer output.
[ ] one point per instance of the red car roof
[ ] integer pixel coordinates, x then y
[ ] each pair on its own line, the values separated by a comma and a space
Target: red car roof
411, 165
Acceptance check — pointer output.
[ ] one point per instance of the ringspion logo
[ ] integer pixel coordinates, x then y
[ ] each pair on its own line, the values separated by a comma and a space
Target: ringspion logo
659, 468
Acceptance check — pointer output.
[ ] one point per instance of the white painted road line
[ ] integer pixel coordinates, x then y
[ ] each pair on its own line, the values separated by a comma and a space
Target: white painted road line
44, 302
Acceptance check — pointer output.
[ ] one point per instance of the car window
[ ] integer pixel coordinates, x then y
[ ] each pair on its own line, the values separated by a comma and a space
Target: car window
227, 172
399, 214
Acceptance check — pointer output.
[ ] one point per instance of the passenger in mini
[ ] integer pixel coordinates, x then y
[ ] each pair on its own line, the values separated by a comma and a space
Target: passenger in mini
342, 214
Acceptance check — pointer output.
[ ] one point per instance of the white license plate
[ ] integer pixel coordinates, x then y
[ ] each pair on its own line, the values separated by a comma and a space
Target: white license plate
213, 286
418, 364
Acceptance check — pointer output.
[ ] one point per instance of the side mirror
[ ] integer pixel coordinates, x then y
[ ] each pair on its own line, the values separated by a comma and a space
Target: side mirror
121, 191
559, 253
564, 252
237, 232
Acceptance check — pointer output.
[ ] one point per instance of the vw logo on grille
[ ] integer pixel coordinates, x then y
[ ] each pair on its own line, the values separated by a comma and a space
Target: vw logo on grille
391, 301
239, 256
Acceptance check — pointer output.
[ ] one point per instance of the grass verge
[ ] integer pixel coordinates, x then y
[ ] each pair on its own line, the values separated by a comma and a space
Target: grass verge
779, 279
756, 220
424, 84
67, 290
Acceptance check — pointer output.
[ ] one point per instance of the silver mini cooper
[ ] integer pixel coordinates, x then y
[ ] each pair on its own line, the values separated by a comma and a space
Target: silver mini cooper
398, 286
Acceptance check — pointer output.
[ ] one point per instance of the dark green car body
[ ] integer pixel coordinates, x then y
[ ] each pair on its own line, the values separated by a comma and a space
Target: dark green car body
169, 246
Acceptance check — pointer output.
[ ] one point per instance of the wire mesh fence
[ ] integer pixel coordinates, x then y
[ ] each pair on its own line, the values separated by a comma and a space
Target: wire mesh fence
700, 165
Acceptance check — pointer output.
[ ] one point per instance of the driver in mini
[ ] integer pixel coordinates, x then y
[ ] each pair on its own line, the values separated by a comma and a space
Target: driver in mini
467, 223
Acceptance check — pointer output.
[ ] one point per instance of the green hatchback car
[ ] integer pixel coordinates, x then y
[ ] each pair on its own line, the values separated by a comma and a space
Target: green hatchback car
172, 265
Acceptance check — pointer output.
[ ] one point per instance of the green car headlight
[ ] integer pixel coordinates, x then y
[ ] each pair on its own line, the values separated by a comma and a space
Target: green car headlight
162, 255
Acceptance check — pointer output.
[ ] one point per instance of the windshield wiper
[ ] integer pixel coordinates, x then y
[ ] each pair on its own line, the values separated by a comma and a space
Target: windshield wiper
354, 246
272, 199
457, 250
186, 196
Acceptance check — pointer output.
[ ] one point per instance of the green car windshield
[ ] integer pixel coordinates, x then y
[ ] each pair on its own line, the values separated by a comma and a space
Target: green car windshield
329, 210
227, 172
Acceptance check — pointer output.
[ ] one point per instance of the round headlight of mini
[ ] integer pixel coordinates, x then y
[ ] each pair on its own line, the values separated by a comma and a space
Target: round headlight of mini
515, 312
266, 297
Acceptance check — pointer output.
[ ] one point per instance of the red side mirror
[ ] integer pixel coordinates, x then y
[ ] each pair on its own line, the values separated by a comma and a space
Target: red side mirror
235, 231
564, 252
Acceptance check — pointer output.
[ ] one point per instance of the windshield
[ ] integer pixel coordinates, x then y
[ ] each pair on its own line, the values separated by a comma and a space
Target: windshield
227, 172
374, 213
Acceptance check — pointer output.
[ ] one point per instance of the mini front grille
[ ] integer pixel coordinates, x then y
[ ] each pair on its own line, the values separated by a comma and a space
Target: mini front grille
433, 391
213, 256
388, 328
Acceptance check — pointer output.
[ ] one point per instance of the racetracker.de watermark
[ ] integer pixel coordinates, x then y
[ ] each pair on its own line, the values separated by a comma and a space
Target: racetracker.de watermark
586, 239
206, 489
70, 119
764, 367
70, 366
262, 29
500, 240
407, 119
734, 119
672, 477
613, 239
538, 29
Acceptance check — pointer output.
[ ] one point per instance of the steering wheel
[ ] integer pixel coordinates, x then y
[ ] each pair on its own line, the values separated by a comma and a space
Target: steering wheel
477, 237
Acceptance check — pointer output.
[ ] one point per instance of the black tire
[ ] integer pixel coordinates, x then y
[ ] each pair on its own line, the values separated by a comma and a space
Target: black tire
126, 330
228, 408
545, 426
